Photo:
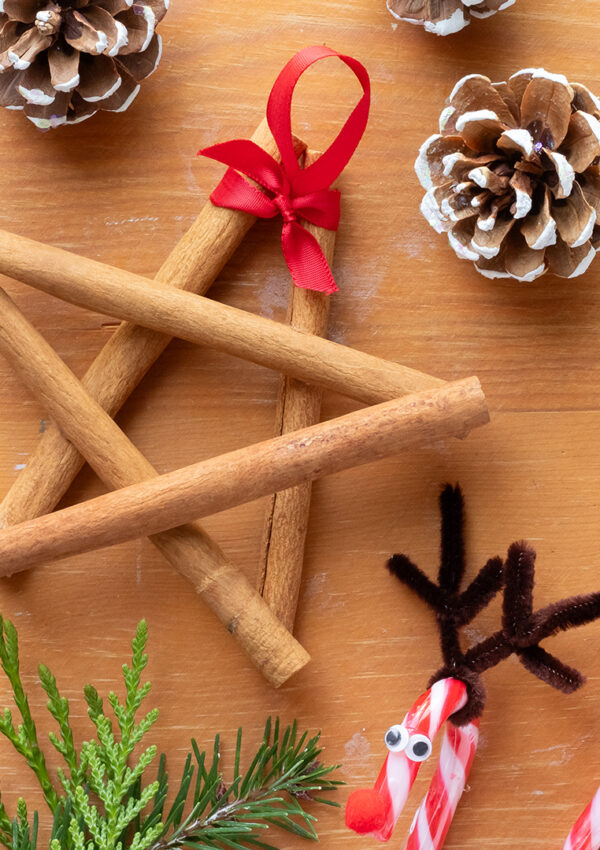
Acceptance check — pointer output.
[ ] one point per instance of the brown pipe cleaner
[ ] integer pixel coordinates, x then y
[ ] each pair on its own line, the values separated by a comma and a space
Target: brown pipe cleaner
522, 627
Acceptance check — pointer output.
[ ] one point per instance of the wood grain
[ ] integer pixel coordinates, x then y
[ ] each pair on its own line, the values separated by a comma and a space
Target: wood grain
124, 189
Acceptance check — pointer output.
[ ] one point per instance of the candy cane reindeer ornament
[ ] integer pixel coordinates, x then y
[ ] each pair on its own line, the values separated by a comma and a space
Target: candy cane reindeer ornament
456, 695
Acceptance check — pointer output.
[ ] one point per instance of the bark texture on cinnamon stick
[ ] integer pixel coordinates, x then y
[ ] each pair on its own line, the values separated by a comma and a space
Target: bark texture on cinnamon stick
298, 406
193, 265
241, 476
116, 460
200, 320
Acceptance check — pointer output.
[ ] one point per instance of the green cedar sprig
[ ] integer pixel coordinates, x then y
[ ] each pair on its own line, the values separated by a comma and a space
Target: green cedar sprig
24, 736
103, 801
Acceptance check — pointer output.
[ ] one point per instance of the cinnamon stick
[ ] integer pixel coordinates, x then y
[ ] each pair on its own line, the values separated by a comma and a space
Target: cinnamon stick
117, 461
200, 320
298, 405
246, 474
193, 265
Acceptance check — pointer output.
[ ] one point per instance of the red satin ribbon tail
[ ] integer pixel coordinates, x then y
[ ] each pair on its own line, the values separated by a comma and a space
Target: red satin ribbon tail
236, 193
305, 259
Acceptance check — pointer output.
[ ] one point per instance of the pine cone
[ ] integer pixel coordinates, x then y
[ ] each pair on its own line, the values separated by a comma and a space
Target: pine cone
63, 61
444, 17
514, 177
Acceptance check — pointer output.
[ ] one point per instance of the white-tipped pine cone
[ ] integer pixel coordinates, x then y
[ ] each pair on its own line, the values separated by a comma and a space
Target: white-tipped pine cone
444, 17
63, 61
513, 176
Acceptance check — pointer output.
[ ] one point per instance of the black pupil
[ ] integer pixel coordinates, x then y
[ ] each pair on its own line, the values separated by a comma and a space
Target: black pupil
392, 737
420, 748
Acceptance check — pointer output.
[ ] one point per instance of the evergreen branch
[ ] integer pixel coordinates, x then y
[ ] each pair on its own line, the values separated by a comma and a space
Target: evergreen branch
59, 709
284, 771
24, 737
109, 777
5, 826
24, 835
107, 803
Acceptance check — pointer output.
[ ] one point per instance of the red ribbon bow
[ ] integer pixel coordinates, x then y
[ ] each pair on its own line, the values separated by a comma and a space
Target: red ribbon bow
294, 191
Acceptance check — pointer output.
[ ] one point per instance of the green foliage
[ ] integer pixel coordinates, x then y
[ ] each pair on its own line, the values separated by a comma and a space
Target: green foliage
101, 799
24, 836
24, 737
285, 771
5, 825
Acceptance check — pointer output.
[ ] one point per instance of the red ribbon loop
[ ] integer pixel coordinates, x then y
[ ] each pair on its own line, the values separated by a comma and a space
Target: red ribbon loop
295, 192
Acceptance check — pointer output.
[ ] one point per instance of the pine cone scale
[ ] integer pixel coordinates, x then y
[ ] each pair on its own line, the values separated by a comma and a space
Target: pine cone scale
490, 7
590, 184
124, 96
64, 69
510, 101
570, 262
9, 31
539, 229
488, 243
93, 31
21, 10
100, 79
140, 29
575, 220
475, 93
584, 100
582, 143
113, 7
546, 110
22, 52
35, 85
10, 96
480, 130
142, 65
522, 262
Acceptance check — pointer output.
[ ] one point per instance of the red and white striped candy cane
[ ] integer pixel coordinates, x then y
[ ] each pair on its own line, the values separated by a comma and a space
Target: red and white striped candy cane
585, 835
434, 815
377, 810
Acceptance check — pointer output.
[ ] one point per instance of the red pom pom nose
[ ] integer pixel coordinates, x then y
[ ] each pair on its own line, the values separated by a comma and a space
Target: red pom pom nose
365, 811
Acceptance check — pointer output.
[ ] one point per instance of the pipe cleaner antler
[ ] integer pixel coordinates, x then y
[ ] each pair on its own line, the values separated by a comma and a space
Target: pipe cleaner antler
522, 627
456, 692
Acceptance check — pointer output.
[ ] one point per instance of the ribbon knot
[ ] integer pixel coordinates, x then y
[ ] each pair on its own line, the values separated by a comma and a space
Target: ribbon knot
284, 203
292, 191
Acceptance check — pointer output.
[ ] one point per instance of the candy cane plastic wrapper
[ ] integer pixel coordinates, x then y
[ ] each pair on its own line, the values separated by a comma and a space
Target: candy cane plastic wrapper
377, 810
585, 835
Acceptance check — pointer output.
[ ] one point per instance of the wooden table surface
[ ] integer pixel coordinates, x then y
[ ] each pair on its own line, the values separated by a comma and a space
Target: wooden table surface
124, 189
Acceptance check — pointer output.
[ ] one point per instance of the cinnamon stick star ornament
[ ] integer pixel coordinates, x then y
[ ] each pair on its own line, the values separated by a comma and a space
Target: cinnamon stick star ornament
456, 692
440, 409
513, 176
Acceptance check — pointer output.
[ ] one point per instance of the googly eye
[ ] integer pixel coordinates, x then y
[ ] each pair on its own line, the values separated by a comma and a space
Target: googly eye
396, 738
419, 748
